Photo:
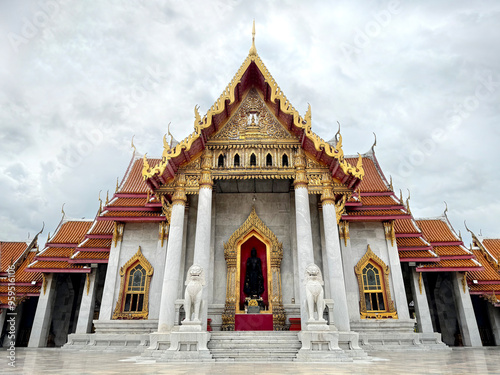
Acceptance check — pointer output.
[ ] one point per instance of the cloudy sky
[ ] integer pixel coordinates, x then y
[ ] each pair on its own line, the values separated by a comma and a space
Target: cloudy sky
79, 79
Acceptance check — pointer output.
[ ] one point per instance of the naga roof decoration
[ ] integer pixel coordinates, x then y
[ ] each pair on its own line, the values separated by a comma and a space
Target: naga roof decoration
254, 71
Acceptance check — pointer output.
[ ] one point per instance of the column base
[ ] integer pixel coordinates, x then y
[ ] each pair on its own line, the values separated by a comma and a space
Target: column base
187, 346
321, 346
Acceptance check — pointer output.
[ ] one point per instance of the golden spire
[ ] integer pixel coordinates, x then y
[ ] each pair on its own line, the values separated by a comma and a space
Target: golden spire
253, 50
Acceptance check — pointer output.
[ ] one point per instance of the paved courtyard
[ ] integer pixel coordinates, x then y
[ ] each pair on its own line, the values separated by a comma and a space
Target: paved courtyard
57, 361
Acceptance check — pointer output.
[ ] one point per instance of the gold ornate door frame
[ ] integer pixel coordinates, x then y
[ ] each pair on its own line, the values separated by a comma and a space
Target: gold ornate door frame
253, 226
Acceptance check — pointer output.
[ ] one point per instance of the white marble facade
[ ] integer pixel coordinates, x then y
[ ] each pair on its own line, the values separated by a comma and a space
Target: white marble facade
277, 211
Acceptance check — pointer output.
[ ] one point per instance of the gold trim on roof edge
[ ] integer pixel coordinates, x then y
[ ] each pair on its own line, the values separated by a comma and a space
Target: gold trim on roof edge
285, 106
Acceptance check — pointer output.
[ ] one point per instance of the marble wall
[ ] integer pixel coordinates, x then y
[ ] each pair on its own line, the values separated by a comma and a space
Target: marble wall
144, 235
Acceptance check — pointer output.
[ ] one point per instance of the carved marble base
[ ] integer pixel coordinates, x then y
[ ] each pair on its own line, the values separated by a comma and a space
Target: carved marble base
318, 325
191, 326
188, 346
321, 345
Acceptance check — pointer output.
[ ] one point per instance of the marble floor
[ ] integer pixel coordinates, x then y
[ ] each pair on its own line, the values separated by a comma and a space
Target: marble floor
57, 361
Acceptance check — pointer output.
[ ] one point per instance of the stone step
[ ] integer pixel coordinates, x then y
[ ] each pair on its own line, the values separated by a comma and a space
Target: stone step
254, 346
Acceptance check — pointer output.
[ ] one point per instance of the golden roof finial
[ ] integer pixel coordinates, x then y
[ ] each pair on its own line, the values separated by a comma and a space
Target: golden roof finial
253, 50
117, 185
62, 210
100, 203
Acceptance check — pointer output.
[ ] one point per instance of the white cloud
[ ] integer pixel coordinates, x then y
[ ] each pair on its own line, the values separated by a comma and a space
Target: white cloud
73, 95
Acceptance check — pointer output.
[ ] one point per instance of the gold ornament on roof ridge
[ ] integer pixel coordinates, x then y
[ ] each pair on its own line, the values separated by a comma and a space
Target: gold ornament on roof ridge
285, 106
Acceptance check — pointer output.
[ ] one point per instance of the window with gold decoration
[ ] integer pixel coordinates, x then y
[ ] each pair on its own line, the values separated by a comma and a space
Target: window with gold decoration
375, 296
134, 288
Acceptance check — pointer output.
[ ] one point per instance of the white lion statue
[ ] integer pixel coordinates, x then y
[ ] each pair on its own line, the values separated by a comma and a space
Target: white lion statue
315, 296
195, 281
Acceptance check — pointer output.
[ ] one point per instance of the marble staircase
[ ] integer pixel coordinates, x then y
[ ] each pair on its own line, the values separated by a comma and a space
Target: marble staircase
254, 346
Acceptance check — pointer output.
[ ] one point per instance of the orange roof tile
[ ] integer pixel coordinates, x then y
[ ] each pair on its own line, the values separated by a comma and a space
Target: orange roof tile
20, 290
9, 252
493, 246
96, 242
415, 254
91, 255
132, 213
42, 264
102, 227
452, 263
26, 277
436, 230
450, 250
128, 202
56, 252
134, 182
376, 213
405, 226
489, 273
411, 242
484, 287
384, 200
372, 181
71, 232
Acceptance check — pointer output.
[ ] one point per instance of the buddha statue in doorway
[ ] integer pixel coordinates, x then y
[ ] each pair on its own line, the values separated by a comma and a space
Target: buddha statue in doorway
254, 280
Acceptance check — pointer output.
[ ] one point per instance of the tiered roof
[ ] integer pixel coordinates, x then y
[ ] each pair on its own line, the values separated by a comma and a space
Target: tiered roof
487, 282
453, 256
24, 284
59, 249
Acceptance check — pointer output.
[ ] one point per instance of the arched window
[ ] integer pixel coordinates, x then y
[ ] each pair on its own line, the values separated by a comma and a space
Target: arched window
253, 160
236, 160
269, 160
134, 291
220, 162
134, 288
284, 160
373, 290
375, 296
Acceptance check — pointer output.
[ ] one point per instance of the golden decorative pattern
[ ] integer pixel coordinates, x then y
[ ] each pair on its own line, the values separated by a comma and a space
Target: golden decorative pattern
327, 196
344, 231
163, 231
340, 208
179, 196
118, 313
44, 283
87, 283
420, 282
390, 233
464, 282
371, 257
253, 226
118, 232
300, 172
252, 114
276, 95
206, 166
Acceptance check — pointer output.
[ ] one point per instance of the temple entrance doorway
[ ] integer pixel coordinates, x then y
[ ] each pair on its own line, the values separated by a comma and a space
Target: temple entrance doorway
253, 286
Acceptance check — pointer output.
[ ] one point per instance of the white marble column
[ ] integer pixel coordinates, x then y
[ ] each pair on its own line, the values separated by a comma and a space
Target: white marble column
43, 315
112, 275
494, 315
350, 279
202, 244
465, 312
87, 304
172, 276
324, 258
424, 321
305, 251
396, 275
336, 271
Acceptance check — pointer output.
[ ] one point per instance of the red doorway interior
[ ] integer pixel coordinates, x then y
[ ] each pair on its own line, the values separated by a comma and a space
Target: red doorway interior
246, 248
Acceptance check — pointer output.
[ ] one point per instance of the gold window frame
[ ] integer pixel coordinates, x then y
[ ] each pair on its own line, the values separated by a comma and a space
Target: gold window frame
118, 313
390, 312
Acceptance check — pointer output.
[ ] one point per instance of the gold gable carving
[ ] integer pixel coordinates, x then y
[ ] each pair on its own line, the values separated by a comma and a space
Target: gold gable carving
252, 120
276, 95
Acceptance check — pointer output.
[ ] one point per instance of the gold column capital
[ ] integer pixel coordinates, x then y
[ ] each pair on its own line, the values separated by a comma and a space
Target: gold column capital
327, 195
300, 170
206, 180
179, 196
